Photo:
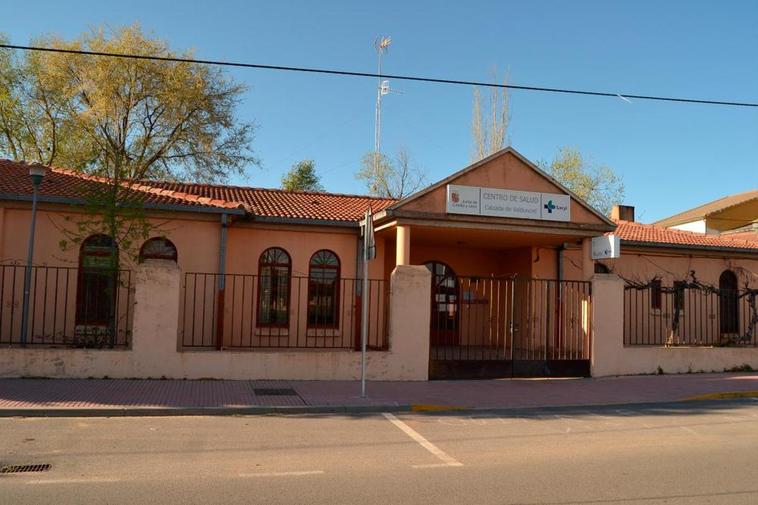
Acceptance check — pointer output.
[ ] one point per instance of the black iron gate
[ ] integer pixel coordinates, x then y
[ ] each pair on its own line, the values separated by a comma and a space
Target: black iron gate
488, 327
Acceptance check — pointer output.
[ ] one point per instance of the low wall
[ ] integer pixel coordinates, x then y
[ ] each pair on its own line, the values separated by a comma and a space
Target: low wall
154, 343
611, 357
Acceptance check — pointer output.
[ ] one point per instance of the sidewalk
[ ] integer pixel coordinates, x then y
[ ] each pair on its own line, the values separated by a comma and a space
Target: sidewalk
175, 397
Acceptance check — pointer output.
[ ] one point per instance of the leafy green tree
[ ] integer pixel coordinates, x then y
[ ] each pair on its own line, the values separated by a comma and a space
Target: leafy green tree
598, 185
122, 119
302, 177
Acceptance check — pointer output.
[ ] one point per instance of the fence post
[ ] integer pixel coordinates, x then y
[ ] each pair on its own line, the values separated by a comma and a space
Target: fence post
156, 318
607, 324
410, 313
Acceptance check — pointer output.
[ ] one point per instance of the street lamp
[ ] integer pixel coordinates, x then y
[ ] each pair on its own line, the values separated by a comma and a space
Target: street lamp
36, 172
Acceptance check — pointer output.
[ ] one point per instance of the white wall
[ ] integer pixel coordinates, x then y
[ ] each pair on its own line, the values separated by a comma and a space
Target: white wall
696, 226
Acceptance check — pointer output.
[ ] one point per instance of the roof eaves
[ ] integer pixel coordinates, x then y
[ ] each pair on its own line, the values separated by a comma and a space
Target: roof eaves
304, 221
695, 214
697, 247
723, 209
151, 206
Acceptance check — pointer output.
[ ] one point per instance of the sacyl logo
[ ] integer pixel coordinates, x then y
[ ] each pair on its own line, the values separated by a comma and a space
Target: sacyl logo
550, 206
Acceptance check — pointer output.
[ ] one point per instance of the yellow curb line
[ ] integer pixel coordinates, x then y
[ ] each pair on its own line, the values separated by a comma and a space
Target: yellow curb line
723, 396
421, 407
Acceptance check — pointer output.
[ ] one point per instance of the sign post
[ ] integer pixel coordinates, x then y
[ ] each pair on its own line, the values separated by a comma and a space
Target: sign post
369, 253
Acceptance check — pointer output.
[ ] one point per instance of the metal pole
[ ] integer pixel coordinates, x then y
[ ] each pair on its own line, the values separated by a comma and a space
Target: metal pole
221, 292
28, 269
364, 310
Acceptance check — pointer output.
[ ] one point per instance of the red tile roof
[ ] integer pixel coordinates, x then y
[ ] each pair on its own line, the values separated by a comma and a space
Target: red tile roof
658, 235
287, 204
63, 183
68, 184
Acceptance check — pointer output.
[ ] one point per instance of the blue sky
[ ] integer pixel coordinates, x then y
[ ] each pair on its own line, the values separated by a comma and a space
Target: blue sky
671, 156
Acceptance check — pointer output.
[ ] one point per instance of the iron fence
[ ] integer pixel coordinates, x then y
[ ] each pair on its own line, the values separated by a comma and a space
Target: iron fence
688, 314
68, 307
257, 312
488, 318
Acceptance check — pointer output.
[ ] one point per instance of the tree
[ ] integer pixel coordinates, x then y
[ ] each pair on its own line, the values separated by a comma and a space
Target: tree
488, 134
598, 185
302, 177
121, 119
388, 178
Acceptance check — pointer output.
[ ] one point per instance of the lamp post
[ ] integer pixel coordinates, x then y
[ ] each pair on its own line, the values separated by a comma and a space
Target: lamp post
36, 172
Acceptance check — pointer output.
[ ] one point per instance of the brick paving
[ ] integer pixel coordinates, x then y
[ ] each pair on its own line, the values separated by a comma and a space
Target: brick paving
62, 394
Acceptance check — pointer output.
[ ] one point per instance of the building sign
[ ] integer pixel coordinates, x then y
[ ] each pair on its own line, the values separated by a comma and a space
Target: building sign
463, 199
606, 247
495, 202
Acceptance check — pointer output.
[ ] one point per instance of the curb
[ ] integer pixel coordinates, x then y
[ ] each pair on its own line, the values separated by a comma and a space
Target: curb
202, 411
707, 400
726, 395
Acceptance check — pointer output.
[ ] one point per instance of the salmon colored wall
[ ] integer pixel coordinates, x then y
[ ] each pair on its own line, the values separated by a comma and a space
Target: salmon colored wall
246, 243
196, 240
196, 237
545, 263
611, 357
506, 172
643, 267
699, 320
474, 262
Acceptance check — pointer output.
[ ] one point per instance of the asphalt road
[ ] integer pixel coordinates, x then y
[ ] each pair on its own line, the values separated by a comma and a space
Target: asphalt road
684, 454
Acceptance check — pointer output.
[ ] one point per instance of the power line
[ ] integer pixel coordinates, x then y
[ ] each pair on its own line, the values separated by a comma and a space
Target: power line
386, 76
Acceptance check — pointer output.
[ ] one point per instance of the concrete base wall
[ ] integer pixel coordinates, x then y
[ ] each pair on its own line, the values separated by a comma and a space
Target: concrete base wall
647, 360
154, 343
611, 357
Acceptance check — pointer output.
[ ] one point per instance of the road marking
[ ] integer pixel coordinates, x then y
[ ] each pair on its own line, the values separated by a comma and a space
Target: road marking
418, 438
73, 481
690, 430
433, 465
282, 474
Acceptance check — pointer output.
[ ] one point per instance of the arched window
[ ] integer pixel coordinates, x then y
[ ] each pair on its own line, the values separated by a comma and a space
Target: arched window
323, 290
445, 304
274, 271
157, 248
97, 283
729, 303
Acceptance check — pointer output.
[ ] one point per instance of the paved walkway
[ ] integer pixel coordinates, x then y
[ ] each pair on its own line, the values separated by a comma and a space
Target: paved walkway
102, 396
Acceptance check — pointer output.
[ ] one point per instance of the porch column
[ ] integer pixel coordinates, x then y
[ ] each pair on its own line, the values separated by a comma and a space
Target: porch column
588, 264
403, 245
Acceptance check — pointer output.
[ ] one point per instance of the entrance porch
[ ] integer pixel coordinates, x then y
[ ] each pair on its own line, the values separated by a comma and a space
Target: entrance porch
504, 302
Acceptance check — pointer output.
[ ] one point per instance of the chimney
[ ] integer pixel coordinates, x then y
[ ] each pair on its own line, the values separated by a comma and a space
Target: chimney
622, 213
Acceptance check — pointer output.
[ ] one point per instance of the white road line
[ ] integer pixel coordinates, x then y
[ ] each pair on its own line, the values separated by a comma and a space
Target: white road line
93, 480
417, 437
690, 430
282, 474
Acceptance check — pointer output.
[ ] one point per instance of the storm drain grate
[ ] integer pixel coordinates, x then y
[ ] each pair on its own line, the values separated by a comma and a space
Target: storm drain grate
44, 467
274, 392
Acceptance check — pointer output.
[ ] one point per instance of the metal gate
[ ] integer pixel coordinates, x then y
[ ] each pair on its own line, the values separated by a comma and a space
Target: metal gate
489, 327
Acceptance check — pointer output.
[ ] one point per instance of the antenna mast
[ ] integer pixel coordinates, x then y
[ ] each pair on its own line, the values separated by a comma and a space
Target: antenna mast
382, 45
